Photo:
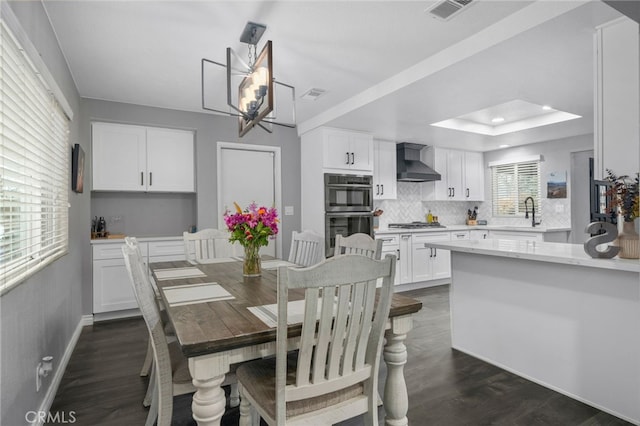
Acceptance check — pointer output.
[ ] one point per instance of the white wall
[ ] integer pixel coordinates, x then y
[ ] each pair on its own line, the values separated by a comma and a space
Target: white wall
556, 157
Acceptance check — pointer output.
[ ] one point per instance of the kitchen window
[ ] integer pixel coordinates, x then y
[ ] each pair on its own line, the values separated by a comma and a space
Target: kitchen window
34, 162
511, 184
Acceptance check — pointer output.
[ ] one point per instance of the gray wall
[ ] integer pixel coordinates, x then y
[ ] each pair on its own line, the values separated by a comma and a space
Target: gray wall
141, 215
39, 316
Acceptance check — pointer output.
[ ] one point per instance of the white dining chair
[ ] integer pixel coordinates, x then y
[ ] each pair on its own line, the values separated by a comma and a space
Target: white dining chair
170, 373
207, 244
306, 248
343, 324
361, 244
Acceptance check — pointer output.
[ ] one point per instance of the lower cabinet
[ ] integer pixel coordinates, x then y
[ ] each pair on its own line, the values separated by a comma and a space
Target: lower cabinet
405, 259
390, 245
430, 263
112, 290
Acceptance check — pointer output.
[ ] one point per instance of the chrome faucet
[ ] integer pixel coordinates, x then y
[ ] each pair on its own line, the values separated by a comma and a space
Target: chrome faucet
533, 211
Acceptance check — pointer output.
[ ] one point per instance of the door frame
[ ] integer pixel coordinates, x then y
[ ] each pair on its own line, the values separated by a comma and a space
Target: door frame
277, 177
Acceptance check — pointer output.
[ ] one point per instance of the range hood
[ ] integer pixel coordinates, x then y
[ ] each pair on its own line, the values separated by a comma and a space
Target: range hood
409, 166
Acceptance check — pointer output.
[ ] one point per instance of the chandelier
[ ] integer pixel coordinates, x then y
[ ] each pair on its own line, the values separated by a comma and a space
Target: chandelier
252, 101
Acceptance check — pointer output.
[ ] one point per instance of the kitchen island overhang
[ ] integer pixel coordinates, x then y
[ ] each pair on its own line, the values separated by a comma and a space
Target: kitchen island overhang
551, 314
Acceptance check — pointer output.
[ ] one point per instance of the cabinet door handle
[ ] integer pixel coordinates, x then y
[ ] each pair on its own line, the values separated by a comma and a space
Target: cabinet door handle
467, 192
150, 178
398, 250
141, 178
347, 158
431, 252
484, 236
353, 157
435, 252
453, 192
382, 189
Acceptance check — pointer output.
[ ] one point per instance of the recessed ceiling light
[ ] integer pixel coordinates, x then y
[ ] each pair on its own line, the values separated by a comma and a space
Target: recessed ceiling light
546, 107
522, 115
504, 146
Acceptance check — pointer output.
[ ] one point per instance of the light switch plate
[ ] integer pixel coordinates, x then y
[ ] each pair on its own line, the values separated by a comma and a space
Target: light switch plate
288, 210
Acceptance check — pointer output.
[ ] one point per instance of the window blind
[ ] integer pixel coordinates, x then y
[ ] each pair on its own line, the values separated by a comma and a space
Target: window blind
34, 168
512, 184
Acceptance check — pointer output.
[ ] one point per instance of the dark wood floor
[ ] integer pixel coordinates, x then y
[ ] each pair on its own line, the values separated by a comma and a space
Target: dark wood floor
446, 387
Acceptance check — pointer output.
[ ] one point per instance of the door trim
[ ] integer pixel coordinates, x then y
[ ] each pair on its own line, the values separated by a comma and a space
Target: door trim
277, 184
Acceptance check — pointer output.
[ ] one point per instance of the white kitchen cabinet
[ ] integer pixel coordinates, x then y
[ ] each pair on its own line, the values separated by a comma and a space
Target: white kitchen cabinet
391, 245
404, 259
478, 234
462, 175
473, 176
137, 158
384, 171
112, 290
345, 150
430, 263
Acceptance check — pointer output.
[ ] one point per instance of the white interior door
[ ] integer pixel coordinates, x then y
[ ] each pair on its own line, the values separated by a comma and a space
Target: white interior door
248, 173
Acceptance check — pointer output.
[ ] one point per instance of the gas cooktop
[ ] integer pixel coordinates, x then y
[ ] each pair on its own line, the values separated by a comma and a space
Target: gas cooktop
416, 225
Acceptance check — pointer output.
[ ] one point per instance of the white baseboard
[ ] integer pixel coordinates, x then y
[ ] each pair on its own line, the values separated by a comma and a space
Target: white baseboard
62, 366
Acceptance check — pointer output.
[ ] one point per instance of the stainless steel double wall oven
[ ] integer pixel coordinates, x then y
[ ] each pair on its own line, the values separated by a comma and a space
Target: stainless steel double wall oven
348, 202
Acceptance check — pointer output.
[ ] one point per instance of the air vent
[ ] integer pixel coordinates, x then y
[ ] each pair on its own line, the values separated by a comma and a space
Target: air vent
446, 9
313, 94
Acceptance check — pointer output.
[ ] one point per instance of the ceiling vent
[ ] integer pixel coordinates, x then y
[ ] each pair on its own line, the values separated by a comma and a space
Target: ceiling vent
313, 94
446, 9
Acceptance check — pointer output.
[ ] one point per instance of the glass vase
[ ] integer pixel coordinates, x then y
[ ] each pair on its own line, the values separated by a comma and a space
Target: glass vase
628, 242
252, 266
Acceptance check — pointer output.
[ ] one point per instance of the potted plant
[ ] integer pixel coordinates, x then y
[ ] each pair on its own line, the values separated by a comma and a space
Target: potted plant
624, 192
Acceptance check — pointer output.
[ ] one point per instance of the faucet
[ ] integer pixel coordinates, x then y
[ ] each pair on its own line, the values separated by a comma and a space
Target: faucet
533, 211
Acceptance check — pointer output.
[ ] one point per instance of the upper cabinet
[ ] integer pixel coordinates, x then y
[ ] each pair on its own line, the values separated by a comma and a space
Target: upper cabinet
347, 150
462, 175
384, 171
137, 158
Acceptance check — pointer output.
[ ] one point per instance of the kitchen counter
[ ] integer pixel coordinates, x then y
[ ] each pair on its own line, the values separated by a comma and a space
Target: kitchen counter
551, 314
140, 239
537, 229
569, 254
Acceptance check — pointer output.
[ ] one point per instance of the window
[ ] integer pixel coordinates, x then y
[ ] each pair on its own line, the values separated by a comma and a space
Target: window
511, 184
34, 167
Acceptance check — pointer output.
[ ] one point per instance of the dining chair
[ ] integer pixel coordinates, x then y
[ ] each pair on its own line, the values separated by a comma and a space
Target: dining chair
306, 248
360, 243
207, 244
170, 373
343, 324
132, 243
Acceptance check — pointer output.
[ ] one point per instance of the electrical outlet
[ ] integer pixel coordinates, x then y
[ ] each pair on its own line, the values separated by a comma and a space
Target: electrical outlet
559, 208
288, 210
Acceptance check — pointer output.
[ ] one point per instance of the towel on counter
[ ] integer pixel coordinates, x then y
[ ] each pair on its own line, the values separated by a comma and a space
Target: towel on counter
195, 293
178, 273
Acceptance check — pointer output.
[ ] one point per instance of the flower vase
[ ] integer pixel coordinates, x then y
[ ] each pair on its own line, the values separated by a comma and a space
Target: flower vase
252, 265
628, 242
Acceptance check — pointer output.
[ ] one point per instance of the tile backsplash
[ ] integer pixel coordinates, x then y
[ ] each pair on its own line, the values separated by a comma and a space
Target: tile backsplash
409, 207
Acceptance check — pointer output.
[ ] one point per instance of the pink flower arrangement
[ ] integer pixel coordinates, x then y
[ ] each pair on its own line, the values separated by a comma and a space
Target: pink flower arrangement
253, 226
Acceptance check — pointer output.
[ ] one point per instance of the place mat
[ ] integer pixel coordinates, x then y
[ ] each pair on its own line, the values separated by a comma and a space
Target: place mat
180, 295
268, 314
178, 273
275, 264
214, 260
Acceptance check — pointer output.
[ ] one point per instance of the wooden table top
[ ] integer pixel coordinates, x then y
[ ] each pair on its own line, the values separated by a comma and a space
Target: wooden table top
218, 326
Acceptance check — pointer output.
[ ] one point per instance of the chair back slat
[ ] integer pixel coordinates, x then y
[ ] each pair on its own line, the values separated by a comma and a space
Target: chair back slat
361, 244
146, 298
206, 245
340, 347
306, 248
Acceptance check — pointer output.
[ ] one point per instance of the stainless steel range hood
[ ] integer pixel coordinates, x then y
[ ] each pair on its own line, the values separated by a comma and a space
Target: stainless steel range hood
409, 166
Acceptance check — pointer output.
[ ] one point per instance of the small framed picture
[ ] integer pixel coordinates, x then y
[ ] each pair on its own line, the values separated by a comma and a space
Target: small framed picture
77, 168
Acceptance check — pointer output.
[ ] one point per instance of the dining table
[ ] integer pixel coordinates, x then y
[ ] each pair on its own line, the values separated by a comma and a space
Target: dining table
222, 318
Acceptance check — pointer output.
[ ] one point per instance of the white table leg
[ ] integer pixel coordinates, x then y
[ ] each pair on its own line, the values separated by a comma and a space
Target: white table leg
209, 400
396, 400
